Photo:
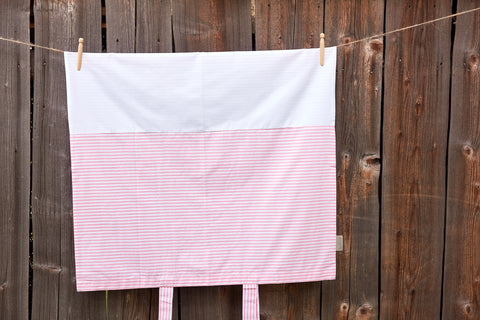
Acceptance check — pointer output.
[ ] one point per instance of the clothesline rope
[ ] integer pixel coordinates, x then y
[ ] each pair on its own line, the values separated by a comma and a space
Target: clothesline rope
338, 46
31, 44
408, 27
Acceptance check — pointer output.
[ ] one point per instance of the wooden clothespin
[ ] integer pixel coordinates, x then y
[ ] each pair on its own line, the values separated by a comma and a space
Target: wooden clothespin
322, 49
80, 52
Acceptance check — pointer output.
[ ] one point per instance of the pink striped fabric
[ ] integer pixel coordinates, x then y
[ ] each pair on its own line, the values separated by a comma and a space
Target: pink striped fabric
250, 307
165, 303
211, 208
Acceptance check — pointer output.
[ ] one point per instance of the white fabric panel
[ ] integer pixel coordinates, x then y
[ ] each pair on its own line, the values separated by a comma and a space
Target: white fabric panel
215, 91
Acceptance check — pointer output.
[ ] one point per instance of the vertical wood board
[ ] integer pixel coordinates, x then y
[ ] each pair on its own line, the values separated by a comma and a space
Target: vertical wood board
308, 23
14, 160
290, 301
354, 294
86, 23
461, 297
221, 25
154, 26
274, 24
205, 303
57, 25
416, 111
293, 24
120, 19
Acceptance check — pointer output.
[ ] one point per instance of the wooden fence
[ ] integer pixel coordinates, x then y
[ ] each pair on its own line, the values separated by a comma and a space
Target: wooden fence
408, 150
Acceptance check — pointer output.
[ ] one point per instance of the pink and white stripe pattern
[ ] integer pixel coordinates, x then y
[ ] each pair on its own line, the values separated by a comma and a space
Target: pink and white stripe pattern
165, 303
202, 169
250, 306
212, 208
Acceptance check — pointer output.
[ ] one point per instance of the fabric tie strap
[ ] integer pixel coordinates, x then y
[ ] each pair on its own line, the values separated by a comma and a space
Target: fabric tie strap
251, 306
165, 303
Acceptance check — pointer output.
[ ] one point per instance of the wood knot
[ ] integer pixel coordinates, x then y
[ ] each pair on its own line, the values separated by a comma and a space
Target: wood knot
418, 106
473, 61
344, 307
376, 45
467, 309
365, 311
371, 161
3, 287
347, 39
468, 151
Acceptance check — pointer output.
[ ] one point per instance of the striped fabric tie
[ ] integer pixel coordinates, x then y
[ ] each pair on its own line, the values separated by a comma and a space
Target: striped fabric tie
165, 303
250, 307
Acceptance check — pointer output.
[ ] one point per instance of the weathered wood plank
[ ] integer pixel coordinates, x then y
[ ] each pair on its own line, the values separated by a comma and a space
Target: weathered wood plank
130, 304
120, 19
354, 294
290, 301
85, 20
220, 25
274, 24
14, 160
59, 25
288, 24
461, 294
308, 23
153, 30
137, 304
416, 104
205, 303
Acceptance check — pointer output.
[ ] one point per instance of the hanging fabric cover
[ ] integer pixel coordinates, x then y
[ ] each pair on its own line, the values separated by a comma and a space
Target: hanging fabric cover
201, 169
